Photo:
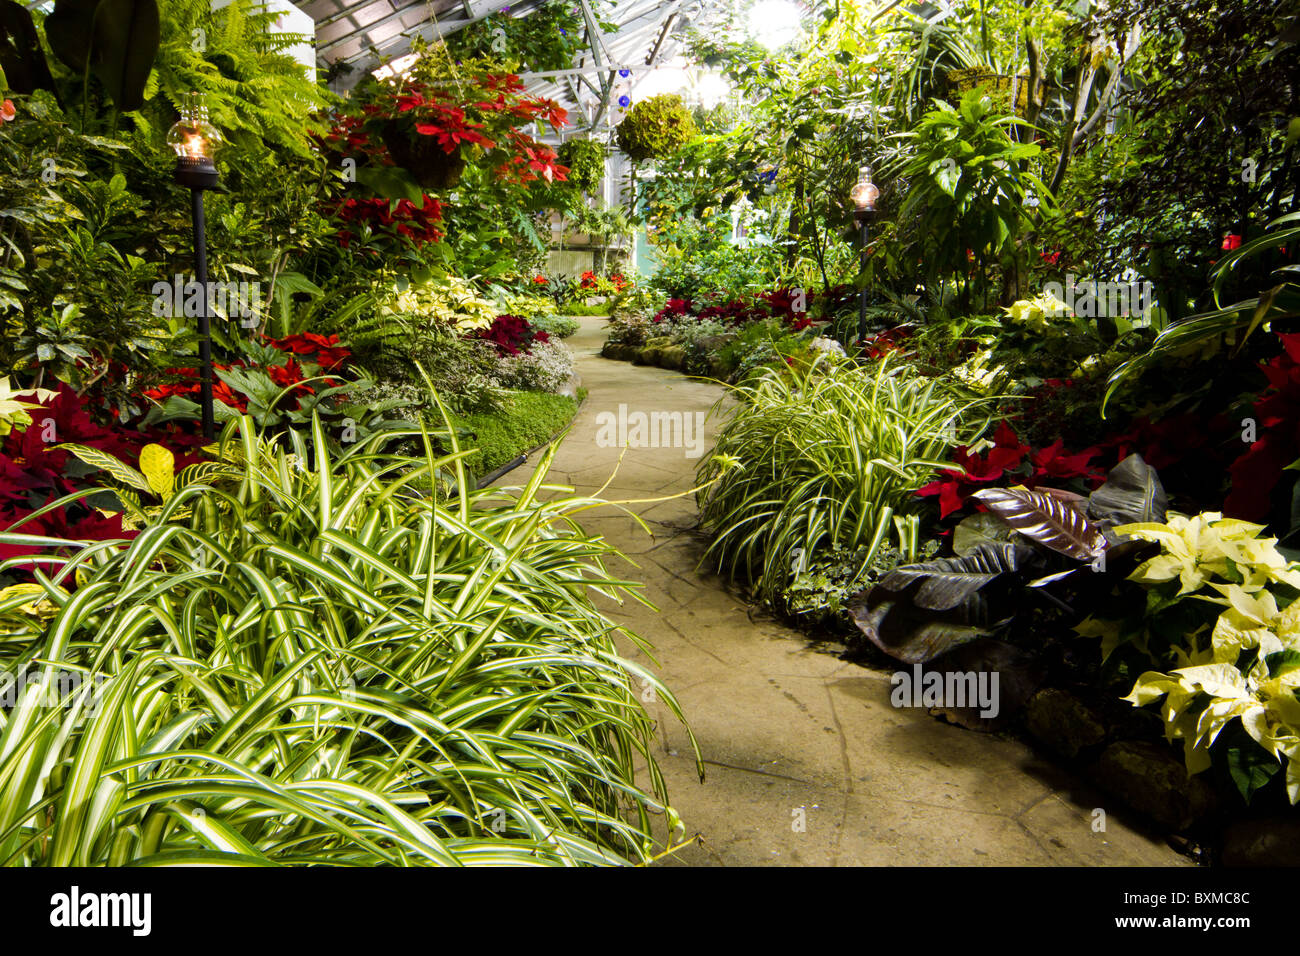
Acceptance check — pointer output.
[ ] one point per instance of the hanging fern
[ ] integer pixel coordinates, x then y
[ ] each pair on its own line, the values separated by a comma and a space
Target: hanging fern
252, 88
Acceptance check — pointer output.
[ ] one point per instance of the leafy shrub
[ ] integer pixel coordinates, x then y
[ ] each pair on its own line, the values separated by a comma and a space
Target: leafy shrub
632, 329
585, 159
969, 181
320, 667
655, 128
638, 298
696, 258
689, 333
823, 456
557, 326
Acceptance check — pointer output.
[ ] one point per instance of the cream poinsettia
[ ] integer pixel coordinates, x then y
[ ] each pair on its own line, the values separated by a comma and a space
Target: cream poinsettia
1034, 313
451, 299
1267, 705
1195, 548
1251, 668
13, 412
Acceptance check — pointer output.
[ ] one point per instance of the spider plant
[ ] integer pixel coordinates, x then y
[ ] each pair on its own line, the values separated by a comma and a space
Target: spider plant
303, 660
823, 456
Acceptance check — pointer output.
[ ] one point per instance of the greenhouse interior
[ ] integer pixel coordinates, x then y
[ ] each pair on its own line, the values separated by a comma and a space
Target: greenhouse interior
749, 433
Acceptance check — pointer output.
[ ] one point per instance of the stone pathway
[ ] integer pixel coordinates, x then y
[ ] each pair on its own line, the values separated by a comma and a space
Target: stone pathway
807, 762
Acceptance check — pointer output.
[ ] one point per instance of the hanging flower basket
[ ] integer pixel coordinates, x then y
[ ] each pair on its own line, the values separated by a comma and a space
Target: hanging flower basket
423, 157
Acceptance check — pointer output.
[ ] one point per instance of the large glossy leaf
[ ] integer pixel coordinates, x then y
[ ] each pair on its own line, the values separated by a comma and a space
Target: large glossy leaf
21, 57
68, 30
917, 612
1051, 520
109, 463
117, 40
1132, 493
977, 529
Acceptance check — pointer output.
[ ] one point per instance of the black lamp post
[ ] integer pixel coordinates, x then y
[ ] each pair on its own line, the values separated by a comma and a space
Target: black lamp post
864, 195
195, 140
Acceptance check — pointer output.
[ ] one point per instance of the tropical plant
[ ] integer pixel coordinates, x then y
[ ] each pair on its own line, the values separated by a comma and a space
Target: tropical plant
321, 666
970, 182
1233, 323
1004, 566
825, 456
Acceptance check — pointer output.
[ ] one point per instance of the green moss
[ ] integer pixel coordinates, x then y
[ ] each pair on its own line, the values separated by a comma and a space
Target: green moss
526, 420
583, 308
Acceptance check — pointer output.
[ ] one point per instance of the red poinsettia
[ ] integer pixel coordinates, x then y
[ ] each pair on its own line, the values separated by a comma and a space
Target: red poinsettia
890, 340
35, 473
1005, 463
511, 334
481, 110
419, 224
324, 350
1256, 473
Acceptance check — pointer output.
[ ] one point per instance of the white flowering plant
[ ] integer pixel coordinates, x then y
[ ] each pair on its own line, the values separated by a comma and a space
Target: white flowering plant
546, 367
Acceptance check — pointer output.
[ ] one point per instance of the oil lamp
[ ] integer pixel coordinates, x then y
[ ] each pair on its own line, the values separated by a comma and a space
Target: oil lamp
195, 142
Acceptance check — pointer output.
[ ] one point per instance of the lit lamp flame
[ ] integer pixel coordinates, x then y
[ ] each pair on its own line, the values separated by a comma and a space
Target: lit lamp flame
193, 138
865, 193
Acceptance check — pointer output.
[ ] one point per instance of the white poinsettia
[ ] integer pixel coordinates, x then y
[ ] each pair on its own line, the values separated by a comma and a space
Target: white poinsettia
13, 411
451, 299
1034, 313
1251, 670
1195, 548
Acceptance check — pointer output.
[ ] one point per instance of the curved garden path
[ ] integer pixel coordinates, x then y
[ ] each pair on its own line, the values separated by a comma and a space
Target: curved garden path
807, 762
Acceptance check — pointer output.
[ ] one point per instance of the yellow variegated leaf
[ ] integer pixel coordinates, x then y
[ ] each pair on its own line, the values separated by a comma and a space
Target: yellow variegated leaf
109, 463
38, 603
159, 468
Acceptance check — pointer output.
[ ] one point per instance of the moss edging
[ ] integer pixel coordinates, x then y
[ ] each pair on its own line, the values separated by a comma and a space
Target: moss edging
518, 455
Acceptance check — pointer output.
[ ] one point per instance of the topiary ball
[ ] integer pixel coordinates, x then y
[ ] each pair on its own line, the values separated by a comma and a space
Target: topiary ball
656, 128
